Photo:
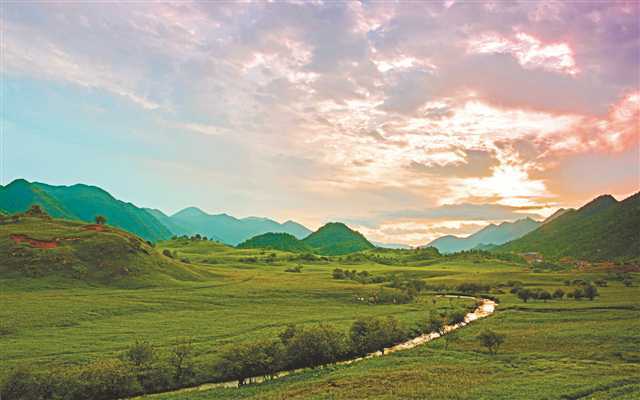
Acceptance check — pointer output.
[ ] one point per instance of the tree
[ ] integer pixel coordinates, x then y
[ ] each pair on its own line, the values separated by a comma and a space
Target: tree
457, 317
374, 334
436, 325
101, 219
590, 292
167, 253
314, 346
450, 337
141, 354
578, 294
181, 359
558, 294
544, 296
242, 362
491, 340
524, 294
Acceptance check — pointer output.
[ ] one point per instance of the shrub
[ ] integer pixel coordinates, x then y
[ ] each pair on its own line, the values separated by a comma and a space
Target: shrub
338, 273
473, 287
101, 220
457, 317
24, 384
101, 380
544, 295
491, 340
524, 295
297, 269
578, 294
558, 294
167, 253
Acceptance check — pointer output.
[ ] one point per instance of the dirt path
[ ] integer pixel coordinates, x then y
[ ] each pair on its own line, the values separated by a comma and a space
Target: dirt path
486, 308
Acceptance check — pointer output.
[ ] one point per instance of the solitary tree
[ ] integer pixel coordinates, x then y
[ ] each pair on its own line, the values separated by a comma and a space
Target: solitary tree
491, 340
140, 354
524, 295
101, 219
590, 292
180, 359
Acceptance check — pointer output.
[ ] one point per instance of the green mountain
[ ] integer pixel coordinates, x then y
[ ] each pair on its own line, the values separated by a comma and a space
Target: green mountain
226, 228
603, 229
489, 235
275, 241
82, 203
335, 239
39, 246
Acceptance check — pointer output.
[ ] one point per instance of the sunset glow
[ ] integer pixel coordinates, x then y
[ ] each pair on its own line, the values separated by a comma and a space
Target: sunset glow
382, 114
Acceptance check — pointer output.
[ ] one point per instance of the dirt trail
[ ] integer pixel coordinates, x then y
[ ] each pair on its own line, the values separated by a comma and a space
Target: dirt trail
40, 244
486, 308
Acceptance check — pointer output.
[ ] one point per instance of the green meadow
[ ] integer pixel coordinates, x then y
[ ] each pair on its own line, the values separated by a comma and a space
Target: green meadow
555, 349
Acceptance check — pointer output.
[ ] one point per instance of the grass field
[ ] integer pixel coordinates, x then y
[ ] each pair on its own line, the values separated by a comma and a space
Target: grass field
559, 349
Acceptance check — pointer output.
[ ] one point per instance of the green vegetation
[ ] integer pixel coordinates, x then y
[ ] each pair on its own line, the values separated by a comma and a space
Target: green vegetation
81, 203
36, 246
602, 230
275, 241
335, 239
226, 315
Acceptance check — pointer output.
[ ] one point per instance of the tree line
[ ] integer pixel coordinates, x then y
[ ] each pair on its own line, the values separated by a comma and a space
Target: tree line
140, 369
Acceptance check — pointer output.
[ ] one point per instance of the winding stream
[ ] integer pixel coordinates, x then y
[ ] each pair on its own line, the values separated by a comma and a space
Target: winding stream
484, 309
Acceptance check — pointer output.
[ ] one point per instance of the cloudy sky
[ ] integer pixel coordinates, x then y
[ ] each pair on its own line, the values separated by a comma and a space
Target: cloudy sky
407, 120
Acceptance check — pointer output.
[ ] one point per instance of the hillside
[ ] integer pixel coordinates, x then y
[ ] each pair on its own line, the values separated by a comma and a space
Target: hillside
39, 246
83, 203
226, 228
275, 241
603, 229
489, 235
335, 239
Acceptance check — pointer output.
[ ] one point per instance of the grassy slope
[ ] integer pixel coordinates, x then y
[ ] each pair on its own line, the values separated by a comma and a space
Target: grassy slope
602, 230
85, 256
553, 349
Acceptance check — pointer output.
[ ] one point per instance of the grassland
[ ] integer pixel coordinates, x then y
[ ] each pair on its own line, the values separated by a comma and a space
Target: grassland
559, 349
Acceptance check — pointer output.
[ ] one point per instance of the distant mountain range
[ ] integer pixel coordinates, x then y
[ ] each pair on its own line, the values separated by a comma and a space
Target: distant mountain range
332, 239
603, 229
223, 227
486, 237
81, 203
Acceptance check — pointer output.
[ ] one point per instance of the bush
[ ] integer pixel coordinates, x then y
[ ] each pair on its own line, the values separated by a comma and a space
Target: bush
491, 340
167, 253
297, 269
457, 317
544, 295
181, 360
141, 354
101, 380
590, 292
558, 294
524, 294
24, 384
338, 273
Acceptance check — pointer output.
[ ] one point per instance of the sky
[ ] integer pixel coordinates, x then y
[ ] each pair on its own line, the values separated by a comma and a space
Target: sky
406, 120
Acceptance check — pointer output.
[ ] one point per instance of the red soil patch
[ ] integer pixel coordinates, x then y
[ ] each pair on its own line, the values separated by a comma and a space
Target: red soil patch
40, 244
95, 227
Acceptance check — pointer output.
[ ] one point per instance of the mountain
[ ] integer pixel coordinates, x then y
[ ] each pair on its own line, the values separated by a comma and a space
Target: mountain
226, 228
603, 229
556, 214
489, 235
336, 238
43, 247
83, 203
275, 241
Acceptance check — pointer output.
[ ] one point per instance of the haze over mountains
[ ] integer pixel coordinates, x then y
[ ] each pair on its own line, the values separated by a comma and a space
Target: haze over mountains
489, 235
